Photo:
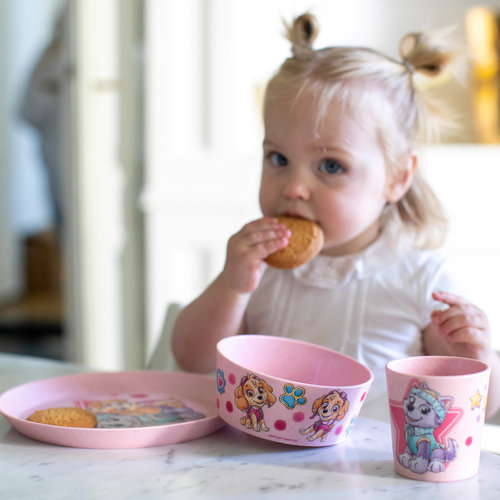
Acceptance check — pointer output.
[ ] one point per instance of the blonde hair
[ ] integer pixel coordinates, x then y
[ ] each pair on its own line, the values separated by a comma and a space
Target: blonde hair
366, 81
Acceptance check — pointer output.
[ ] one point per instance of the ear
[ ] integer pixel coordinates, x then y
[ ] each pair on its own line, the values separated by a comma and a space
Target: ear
271, 398
238, 392
240, 400
400, 181
241, 403
343, 411
446, 402
317, 403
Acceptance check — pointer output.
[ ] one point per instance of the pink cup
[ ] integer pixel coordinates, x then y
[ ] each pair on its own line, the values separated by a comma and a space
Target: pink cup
437, 406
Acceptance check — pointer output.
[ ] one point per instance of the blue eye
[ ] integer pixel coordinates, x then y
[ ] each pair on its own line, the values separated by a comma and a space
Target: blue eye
330, 167
278, 159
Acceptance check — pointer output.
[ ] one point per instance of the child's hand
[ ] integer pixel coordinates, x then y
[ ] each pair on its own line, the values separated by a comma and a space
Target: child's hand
247, 249
463, 327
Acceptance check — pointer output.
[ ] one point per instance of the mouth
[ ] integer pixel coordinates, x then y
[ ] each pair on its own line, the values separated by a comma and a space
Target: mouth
412, 420
291, 213
259, 400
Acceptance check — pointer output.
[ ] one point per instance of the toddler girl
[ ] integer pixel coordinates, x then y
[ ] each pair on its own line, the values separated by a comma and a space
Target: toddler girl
341, 130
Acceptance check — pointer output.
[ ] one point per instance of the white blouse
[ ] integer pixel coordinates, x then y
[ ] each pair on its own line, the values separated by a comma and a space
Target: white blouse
372, 306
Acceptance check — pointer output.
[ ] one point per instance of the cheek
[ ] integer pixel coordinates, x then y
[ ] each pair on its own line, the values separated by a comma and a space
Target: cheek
353, 204
267, 198
337, 209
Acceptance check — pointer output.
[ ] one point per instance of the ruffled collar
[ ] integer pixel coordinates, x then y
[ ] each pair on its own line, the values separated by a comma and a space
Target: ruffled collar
327, 272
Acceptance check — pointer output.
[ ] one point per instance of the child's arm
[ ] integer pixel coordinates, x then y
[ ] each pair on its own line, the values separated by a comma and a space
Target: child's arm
463, 330
219, 311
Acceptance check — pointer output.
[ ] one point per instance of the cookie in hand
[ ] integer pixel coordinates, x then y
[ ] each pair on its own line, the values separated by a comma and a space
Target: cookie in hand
305, 243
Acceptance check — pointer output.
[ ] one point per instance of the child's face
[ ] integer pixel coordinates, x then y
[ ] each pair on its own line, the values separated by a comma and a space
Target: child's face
334, 173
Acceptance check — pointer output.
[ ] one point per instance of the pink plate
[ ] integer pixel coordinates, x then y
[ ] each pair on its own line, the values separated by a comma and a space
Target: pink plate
134, 409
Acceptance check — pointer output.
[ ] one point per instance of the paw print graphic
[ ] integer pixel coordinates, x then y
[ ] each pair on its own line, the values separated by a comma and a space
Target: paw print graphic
293, 396
221, 381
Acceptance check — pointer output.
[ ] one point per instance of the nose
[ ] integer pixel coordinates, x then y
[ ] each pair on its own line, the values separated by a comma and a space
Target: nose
296, 186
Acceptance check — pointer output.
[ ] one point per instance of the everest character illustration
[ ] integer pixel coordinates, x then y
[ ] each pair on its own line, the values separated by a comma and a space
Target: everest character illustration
425, 410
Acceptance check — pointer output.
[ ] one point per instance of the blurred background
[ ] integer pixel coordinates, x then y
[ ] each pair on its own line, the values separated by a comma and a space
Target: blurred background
130, 138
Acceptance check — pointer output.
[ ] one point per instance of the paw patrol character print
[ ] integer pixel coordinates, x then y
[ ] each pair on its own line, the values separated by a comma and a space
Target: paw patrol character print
328, 409
425, 410
251, 396
128, 412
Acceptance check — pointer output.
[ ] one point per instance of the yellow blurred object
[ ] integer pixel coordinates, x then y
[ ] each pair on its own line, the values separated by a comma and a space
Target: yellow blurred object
482, 33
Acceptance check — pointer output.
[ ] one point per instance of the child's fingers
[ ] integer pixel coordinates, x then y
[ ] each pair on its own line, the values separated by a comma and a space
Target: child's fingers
470, 312
263, 230
461, 325
458, 322
256, 233
449, 298
267, 237
466, 335
268, 247
256, 241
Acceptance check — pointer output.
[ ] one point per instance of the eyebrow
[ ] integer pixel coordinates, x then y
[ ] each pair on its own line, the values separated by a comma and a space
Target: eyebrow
337, 149
267, 142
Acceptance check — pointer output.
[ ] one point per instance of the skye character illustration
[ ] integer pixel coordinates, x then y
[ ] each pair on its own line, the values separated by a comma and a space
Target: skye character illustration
425, 410
251, 396
329, 408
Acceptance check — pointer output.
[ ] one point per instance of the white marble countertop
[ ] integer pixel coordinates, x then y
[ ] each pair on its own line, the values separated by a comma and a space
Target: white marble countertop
226, 465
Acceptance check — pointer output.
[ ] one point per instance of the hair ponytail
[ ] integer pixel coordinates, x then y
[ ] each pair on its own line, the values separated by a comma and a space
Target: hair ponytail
302, 33
425, 55
430, 60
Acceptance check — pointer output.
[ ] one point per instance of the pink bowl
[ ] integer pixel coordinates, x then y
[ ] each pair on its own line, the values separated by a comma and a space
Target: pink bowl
289, 391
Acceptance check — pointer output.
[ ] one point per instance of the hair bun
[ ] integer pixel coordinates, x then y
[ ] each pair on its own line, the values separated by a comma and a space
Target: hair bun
426, 55
302, 33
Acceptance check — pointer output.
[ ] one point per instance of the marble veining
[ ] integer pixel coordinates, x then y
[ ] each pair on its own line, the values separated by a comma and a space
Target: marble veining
226, 465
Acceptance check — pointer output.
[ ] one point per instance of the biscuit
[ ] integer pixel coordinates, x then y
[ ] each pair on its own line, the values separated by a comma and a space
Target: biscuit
65, 416
305, 243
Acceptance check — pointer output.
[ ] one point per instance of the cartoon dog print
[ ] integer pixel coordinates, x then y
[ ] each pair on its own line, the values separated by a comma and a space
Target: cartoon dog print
122, 407
425, 410
251, 396
112, 421
329, 408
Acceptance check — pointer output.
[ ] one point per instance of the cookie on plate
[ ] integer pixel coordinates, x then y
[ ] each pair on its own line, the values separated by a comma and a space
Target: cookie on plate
64, 416
305, 243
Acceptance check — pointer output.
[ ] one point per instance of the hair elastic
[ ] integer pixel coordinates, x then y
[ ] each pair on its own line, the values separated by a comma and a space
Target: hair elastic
409, 67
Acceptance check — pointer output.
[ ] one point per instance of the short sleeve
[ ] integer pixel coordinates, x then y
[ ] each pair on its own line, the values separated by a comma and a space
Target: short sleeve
437, 275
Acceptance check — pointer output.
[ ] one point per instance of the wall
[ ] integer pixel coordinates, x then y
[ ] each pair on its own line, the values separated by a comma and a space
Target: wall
25, 27
466, 178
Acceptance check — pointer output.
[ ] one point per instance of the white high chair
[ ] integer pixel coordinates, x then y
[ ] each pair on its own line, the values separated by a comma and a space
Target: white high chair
162, 357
